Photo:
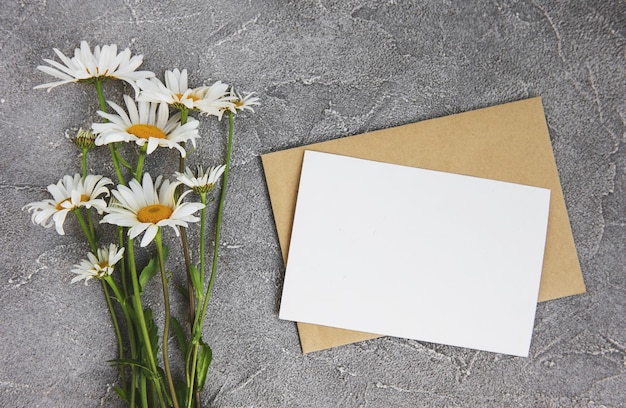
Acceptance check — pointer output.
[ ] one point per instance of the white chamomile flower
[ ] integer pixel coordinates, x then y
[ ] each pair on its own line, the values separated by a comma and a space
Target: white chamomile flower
214, 100
69, 194
175, 91
147, 123
210, 100
149, 206
244, 102
201, 182
103, 63
98, 266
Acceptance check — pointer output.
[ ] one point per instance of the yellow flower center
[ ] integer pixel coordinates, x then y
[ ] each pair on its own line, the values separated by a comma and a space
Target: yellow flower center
83, 198
103, 264
146, 131
97, 72
190, 96
154, 213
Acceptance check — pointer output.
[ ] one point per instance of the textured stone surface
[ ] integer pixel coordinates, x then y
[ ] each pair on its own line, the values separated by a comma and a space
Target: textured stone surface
323, 69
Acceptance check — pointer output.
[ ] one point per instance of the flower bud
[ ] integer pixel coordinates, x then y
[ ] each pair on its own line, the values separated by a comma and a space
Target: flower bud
84, 139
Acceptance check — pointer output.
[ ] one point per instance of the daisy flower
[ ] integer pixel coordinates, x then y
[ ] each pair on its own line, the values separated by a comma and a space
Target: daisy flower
149, 206
201, 182
69, 194
102, 63
244, 102
215, 99
98, 266
147, 123
176, 92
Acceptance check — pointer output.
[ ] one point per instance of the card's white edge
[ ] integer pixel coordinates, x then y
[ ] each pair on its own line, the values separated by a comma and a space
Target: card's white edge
285, 316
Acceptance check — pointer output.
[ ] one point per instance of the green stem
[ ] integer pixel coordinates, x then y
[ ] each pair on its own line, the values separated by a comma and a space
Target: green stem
116, 163
124, 278
140, 162
166, 324
141, 319
144, 392
183, 237
112, 147
192, 377
116, 326
92, 229
197, 327
118, 294
190, 290
124, 274
184, 113
84, 161
85, 227
133, 386
202, 235
192, 358
220, 213
101, 101
124, 162
121, 298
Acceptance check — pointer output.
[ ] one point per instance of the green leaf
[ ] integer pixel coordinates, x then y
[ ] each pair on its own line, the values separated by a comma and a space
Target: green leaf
205, 356
121, 393
180, 336
150, 270
196, 281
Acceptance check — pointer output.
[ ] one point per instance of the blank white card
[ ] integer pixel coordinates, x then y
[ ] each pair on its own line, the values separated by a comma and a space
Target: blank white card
414, 253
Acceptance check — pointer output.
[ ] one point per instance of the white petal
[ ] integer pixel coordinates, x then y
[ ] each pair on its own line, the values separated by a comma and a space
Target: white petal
149, 235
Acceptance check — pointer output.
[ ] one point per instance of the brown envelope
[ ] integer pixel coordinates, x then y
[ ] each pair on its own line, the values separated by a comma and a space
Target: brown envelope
509, 142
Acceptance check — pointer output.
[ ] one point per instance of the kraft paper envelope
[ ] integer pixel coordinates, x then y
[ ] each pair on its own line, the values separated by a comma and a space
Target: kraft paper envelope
508, 142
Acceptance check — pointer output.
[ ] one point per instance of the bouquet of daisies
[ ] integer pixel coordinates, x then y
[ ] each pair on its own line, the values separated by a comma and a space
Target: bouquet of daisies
140, 205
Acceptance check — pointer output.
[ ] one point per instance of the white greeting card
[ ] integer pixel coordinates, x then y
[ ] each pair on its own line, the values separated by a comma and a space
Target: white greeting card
415, 253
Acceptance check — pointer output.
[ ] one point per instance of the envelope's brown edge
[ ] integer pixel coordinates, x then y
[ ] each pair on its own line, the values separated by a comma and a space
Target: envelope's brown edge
561, 236
564, 278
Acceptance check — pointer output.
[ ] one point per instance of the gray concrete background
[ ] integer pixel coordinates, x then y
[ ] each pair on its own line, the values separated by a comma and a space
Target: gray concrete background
323, 69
